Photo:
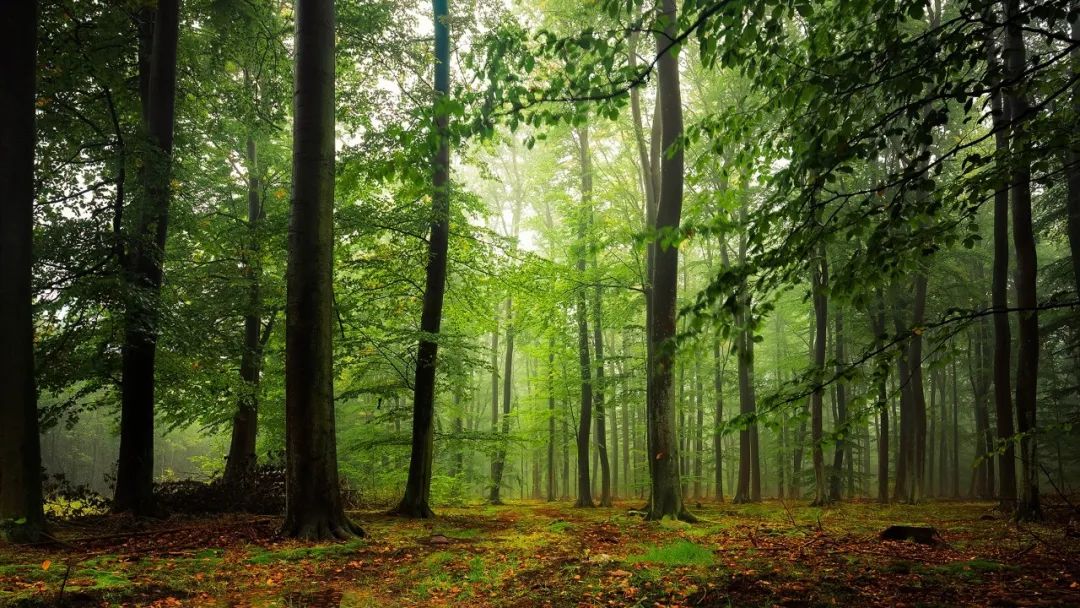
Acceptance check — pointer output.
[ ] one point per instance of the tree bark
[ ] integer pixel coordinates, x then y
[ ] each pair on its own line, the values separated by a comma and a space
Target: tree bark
821, 324
135, 471
417, 497
1072, 163
313, 505
718, 420
584, 498
551, 421
666, 495
999, 292
240, 465
1028, 506
878, 326
20, 442
841, 407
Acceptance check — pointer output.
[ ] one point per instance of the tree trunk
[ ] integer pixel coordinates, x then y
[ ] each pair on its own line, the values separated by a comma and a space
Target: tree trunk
999, 292
415, 503
493, 496
918, 396
718, 420
1072, 162
551, 421
313, 506
240, 465
821, 324
20, 442
841, 407
666, 495
499, 465
584, 498
1027, 356
135, 471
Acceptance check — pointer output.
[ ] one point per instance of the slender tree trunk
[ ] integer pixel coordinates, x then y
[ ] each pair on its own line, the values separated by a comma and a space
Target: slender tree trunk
598, 345
584, 498
508, 382
494, 489
666, 495
313, 505
20, 442
240, 465
1028, 507
841, 407
415, 503
821, 324
918, 395
699, 436
551, 421
135, 471
999, 292
718, 420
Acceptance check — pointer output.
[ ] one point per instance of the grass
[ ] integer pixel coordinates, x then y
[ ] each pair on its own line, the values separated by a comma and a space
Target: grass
679, 553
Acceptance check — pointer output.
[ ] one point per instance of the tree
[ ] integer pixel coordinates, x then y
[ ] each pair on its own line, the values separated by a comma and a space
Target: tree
242, 459
999, 288
1027, 355
21, 516
581, 312
313, 505
418, 485
666, 489
821, 328
135, 470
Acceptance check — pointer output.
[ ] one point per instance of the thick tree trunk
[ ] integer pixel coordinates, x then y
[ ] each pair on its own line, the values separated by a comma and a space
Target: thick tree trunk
313, 505
821, 325
1028, 507
20, 443
135, 471
415, 503
240, 464
1072, 163
666, 495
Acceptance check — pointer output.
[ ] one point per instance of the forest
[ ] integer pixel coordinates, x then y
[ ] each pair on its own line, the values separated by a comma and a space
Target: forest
501, 303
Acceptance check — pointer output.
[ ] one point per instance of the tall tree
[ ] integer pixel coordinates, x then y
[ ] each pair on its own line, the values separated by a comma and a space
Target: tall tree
313, 505
999, 289
840, 445
666, 492
135, 470
241, 461
418, 486
821, 328
584, 498
1027, 355
21, 516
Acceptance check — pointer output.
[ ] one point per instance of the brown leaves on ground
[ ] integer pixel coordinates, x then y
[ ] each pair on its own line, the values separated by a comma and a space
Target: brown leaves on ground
546, 554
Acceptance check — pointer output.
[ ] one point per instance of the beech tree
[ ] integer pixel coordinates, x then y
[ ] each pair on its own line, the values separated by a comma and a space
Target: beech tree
21, 516
145, 259
313, 506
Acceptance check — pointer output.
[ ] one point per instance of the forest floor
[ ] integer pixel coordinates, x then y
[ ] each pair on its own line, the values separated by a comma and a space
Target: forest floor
538, 554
